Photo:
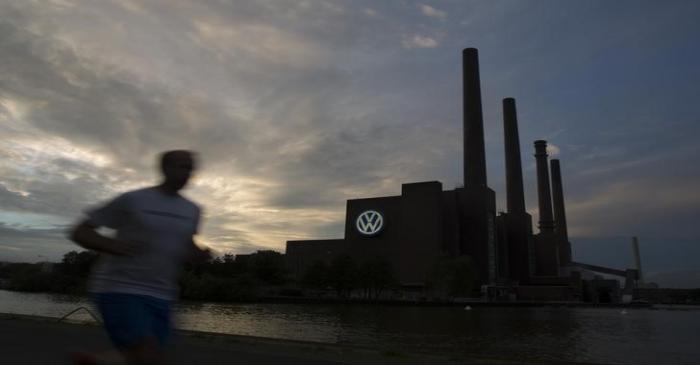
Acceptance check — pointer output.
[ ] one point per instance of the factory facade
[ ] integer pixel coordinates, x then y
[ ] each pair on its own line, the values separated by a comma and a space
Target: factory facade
426, 223
411, 231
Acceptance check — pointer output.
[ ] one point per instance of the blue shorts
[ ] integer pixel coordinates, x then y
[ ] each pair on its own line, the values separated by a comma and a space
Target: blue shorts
130, 318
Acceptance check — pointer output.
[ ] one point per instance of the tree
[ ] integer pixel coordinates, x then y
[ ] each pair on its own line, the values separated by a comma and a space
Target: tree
375, 276
76, 263
226, 266
343, 275
269, 266
30, 278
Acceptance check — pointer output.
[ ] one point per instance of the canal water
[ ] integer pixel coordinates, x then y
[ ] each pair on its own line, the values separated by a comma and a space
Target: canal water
667, 335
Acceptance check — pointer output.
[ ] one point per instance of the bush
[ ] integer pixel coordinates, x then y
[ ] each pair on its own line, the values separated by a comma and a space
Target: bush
316, 276
209, 287
343, 275
30, 278
375, 276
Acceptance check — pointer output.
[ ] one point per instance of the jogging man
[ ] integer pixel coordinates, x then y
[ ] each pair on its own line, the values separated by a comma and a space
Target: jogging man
135, 279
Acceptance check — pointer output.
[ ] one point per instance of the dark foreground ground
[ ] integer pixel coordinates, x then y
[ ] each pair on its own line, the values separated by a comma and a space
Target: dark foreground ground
39, 340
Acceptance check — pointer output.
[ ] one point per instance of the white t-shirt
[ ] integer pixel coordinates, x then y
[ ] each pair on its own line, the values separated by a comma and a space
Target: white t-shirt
163, 224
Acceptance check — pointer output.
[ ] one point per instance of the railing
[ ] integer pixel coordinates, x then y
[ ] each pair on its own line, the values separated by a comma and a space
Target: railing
77, 309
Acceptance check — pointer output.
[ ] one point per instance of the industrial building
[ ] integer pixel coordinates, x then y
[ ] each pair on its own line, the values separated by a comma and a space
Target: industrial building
425, 222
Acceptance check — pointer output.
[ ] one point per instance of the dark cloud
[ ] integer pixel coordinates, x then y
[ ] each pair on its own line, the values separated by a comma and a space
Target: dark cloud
19, 244
677, 278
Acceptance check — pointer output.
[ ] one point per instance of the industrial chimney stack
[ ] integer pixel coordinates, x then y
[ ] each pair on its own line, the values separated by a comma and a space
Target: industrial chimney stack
547, 248
515, 195
476, 201
474, 155
560, 214
637, 259
517, 222
544, 196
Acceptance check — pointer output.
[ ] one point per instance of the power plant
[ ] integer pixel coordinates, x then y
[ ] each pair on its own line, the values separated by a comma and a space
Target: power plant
426, 223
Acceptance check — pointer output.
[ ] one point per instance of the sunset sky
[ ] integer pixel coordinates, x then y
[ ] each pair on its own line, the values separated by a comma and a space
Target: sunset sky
297, 106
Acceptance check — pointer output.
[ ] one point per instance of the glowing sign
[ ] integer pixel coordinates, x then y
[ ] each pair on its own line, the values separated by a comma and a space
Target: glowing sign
369, 223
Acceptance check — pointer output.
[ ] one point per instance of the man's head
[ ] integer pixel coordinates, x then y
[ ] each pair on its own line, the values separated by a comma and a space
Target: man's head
177, 167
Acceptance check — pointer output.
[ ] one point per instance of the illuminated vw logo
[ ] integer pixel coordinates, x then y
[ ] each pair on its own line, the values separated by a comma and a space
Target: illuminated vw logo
369, 223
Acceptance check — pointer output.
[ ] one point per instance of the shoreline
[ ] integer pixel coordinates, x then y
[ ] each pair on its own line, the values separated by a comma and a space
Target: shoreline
453, 303
456, 302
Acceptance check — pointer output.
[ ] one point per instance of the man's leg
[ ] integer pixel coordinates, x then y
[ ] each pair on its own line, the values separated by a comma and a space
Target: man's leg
129, 322
158, 323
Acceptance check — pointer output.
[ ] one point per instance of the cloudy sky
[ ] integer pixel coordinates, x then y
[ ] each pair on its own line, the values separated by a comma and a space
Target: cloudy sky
297, 106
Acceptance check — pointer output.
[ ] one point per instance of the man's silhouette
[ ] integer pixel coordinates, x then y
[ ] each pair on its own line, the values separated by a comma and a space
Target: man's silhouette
134, 281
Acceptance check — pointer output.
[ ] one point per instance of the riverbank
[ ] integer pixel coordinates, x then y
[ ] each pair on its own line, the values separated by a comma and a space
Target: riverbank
471, 302
42, 340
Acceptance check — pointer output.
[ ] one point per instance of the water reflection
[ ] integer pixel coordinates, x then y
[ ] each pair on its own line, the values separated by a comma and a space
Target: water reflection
269, 320
49, 305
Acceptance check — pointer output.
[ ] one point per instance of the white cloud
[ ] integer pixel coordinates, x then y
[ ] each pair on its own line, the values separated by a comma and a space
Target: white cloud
419, 41
259, 42
430, 11
553, 150
370, 12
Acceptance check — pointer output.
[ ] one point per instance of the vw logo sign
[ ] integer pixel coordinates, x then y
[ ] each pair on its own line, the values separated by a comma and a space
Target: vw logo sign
369, 223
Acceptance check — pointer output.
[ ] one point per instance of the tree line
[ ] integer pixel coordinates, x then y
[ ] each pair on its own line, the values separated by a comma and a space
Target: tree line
345, 276
250, 277
226, 278
68, 276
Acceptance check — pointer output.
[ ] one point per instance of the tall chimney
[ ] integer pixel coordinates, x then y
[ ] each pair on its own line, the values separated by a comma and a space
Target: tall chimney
637, 259
546, 223
514, 172
474, 155
560, 213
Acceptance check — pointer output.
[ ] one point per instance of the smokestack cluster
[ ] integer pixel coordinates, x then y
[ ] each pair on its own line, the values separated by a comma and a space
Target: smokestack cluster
550, 248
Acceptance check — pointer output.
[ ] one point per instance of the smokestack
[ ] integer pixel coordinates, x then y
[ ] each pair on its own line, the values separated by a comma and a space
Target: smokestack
560, 213
546, 223
514, 172
474, 155
637, 259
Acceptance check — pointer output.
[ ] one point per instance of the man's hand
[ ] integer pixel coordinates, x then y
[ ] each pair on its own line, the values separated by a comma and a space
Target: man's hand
86, 236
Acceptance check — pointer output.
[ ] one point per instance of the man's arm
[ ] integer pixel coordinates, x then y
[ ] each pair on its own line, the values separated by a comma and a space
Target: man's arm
86, 236
198, 254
